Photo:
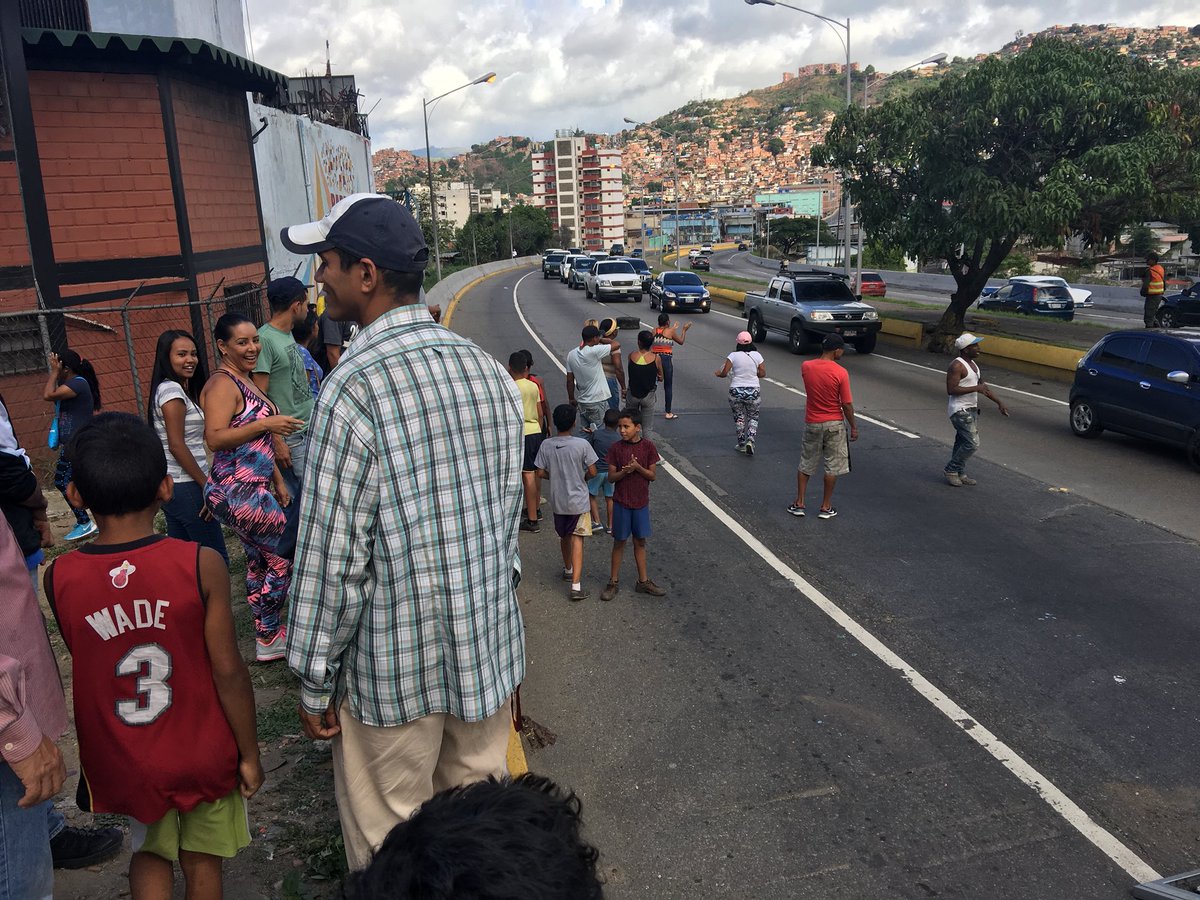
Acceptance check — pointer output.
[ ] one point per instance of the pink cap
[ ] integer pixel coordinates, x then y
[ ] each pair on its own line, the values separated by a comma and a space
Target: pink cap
744, 338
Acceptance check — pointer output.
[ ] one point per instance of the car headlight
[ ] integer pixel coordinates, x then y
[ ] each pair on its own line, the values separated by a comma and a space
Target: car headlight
871, 316
705, 295
820, 315
671, 294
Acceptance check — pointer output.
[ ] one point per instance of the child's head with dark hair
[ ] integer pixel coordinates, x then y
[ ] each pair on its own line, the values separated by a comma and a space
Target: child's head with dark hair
528, 358
645, 340
486, 841
518, 364
633, 415
564, 417
611, 418
117, 464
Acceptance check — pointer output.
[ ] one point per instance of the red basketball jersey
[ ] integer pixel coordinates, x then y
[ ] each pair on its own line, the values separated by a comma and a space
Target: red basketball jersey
152, 734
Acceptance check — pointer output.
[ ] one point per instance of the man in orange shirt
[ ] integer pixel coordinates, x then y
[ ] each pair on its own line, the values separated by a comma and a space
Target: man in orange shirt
1154, 284
827, 414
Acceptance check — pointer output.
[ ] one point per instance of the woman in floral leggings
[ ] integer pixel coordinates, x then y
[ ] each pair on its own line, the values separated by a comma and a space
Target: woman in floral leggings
745, 398
245, 489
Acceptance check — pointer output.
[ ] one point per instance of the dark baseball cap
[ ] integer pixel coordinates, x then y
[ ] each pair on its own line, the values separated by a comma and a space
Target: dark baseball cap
369, 226
286, 288
833, 342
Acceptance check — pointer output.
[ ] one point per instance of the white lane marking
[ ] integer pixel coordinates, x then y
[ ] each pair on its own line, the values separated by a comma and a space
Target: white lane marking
857, 415
905, 362
1133, 864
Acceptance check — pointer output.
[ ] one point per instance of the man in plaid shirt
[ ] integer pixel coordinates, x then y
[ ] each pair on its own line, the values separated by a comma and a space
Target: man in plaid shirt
405, 630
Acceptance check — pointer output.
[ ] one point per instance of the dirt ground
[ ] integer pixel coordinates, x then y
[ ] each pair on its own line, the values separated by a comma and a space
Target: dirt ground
296, 850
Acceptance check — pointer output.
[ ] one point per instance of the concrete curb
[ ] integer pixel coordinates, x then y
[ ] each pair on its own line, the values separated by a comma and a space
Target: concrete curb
907, 332
451, 289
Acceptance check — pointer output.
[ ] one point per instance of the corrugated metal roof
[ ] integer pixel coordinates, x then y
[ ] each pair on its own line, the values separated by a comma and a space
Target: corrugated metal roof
185, 53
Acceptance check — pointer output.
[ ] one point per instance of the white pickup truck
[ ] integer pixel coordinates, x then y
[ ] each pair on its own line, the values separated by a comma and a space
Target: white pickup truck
806, 306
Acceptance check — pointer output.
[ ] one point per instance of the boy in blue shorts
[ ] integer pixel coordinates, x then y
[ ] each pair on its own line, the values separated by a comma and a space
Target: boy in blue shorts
567, 462
632, 465
163, 704
601, 439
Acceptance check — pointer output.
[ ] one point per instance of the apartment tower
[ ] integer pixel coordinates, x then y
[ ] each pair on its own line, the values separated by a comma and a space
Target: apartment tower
579, 185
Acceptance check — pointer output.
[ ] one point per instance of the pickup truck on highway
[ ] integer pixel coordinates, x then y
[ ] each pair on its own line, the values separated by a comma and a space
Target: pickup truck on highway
806, 306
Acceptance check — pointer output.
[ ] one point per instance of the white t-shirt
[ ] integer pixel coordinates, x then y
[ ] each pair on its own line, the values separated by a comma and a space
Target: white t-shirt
745, 368
591, 386
193, 429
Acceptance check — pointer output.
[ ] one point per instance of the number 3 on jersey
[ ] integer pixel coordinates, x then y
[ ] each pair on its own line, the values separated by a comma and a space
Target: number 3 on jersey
152, 664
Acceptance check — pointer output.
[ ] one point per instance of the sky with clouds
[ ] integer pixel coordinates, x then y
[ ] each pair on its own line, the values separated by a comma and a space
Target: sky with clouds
590, 63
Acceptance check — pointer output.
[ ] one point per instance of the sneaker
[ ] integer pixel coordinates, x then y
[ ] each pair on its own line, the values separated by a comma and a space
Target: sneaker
797, 511
539, 515
826, 513
597, 528
740, 448
749, 448
568, 575
610, 591
954, 479
530, 525
272, 650
76, 848
965, 480
577, 595
81, 531
649, 587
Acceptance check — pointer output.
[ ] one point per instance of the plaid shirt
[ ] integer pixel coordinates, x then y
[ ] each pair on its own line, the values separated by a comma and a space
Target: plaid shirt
403, 598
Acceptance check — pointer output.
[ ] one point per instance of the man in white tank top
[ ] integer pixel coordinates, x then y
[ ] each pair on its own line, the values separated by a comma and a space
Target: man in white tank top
964, 384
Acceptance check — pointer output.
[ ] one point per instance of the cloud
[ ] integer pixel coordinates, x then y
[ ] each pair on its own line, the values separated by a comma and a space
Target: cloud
589, 63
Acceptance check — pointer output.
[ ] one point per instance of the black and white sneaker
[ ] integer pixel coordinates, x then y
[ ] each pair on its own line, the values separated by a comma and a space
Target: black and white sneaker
797, 511
826, 513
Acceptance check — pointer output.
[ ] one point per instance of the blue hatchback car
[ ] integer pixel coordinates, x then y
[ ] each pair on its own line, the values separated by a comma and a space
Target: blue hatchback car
1142, 383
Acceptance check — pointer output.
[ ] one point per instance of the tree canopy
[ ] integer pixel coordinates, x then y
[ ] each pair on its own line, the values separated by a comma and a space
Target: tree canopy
1054, 141
790, 234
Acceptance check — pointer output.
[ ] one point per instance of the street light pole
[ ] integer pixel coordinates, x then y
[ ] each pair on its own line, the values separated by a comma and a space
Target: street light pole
845, 26
425, 104
675, 168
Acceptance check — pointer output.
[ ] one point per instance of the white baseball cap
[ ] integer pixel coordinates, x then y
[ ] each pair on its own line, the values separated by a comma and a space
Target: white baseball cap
966, 339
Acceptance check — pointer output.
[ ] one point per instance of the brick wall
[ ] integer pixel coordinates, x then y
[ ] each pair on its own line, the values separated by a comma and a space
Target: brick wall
104, 165
215, 154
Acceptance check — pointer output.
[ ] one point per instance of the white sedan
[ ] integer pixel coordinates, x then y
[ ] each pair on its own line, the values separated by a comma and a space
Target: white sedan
1082, 297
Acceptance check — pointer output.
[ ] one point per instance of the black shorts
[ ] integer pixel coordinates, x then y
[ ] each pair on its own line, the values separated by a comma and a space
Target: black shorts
533, 443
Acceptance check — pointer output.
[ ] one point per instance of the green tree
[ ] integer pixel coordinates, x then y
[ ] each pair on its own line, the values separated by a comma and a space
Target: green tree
531, 229
1142, 240
793, 234
775, 146
654, 187
1056, 140
877, 255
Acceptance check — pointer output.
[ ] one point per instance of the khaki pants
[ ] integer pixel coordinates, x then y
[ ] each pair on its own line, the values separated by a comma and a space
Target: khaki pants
381, 775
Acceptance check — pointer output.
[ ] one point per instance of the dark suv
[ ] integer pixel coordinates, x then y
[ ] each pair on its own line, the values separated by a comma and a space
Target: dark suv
1142, 383
550, 264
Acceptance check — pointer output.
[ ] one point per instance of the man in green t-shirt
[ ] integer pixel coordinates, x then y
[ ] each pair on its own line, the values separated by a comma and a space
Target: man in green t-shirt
280, 374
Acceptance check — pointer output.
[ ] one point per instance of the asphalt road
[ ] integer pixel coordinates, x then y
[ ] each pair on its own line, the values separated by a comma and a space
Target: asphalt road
983, 692
1113, 314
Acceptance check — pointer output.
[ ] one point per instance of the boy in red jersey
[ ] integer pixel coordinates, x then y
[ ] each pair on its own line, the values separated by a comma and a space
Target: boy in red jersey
163, 704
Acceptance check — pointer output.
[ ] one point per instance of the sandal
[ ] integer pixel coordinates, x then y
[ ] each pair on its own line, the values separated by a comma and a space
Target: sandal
671, 416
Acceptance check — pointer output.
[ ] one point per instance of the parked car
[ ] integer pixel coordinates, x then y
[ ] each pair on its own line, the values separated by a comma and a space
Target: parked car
679, 290
564, 268
1141, 383
1178, 310
643, 270
552, 263
613, 279
1049, 301
1081, 296
742, 245
872, 285
701, 262
806, 306
579, 268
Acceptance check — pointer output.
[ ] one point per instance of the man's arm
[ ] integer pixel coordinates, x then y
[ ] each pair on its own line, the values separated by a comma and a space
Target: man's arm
230, 676
954, 375
571, 388
987, 392
19, 485
333, 353
33, 757
848, 412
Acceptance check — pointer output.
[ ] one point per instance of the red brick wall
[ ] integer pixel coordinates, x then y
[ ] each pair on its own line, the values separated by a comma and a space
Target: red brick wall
218, 178
14, 245
104, 165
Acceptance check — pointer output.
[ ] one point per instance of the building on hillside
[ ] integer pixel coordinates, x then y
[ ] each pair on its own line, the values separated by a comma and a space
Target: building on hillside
807, 201
579, 184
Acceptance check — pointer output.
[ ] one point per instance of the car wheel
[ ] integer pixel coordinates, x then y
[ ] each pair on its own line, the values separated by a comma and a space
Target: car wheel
757, 330
1193, 449
587, 291
1084, 420
867, 344
1168, 318
797, 339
